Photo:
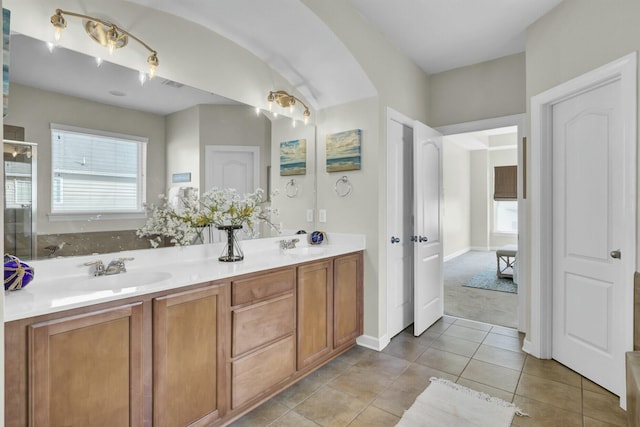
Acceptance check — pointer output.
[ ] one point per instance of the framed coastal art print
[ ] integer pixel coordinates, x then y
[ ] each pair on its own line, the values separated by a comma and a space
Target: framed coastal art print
293, 157
343, 151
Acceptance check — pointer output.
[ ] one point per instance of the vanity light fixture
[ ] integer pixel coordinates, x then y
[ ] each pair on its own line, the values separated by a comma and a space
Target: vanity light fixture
106, 33
288, 101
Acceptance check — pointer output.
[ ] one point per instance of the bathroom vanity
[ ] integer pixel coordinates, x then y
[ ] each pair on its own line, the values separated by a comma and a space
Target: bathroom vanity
181, 339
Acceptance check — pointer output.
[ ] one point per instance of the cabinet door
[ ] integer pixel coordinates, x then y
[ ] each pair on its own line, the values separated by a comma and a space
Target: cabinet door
188, 357
315, 312
86, 370
347, 299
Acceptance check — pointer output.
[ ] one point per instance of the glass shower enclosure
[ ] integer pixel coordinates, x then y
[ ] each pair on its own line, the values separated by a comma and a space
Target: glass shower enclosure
20, 190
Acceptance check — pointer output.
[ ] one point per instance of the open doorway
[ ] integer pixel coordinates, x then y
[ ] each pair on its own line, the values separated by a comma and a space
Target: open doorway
480, 225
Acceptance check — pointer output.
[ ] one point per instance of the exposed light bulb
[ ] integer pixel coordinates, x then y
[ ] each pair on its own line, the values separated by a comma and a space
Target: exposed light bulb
306, 120
51, 47
291, 109
153, 62
57, 33
270, 105
98, 61
143, 78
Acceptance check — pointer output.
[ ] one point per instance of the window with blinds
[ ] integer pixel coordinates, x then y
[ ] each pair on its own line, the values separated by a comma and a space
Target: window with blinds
96, 172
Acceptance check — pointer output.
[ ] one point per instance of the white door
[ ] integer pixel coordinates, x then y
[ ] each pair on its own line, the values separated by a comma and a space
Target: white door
399, 226
228, 166
427, 201
588, 231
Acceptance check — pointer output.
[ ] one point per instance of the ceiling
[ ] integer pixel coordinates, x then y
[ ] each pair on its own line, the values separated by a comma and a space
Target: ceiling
437, 34
441, 35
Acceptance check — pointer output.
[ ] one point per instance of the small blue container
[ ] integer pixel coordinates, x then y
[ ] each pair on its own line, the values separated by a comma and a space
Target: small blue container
317, 237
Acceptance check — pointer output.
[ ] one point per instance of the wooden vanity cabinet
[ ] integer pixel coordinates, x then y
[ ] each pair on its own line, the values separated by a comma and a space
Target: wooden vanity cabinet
315, 312
263, 335
201, 355
189, 339
86, 370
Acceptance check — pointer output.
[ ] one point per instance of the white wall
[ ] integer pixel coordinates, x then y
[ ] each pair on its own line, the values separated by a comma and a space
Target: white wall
481, 91
358, 212
293, 210
235, 125
457, 198
183, 145
35, 110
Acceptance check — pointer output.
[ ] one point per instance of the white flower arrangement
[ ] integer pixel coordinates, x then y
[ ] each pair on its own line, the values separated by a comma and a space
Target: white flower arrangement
217, 207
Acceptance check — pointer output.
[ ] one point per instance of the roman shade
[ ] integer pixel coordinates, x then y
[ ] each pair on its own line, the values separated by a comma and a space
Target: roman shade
505, 183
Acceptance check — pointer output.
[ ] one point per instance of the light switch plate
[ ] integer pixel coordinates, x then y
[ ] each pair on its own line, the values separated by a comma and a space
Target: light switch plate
322, 215
309, 215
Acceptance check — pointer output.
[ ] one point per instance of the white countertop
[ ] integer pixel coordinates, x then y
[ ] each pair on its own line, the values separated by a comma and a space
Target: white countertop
65, 283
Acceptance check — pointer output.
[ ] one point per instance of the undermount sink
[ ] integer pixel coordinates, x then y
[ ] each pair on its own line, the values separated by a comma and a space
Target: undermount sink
124, 280
305, 250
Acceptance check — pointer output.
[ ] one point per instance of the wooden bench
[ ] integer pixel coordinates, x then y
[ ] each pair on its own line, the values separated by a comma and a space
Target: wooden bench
505, 258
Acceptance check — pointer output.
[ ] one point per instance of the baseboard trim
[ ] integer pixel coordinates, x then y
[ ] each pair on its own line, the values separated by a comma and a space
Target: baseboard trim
373, 343
457, 254
480, 248
526, 346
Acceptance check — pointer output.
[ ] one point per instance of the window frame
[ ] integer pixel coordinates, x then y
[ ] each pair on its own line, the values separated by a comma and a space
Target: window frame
141, 180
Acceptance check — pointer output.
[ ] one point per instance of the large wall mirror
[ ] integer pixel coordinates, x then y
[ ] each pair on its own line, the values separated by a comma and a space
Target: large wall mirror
68, 92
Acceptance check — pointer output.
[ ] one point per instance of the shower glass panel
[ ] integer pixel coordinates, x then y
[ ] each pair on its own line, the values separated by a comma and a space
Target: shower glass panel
20, 198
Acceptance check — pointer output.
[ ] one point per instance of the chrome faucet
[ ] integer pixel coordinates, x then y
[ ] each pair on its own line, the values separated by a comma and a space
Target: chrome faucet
116, 266
288, 244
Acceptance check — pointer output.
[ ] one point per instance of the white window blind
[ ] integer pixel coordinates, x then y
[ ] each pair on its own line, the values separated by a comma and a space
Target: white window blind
96, 172
17, 184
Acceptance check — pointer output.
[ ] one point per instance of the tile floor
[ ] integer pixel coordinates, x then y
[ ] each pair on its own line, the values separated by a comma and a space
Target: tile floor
367, 388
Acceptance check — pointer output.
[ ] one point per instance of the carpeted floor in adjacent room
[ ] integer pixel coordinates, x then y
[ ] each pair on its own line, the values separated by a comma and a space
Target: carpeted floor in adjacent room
494, 307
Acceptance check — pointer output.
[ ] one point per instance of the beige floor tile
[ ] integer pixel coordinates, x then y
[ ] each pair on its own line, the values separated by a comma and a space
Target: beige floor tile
404, 348
503, 341
499, 356
551, 370
543, 415
591, 386
448, 319
550, 392
455, 345
365, 384
263, 415
443, 361
440, 326
604, 408
590, 422
293, 419
465, 333
374, 417
492, 375
501, 330
491, 391
474, 325
356, 354
416, 378
331, 407
384, 364
395, 400
331, 370
296, 393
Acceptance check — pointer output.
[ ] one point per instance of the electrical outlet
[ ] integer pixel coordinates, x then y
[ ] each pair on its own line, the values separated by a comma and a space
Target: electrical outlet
322, 215
309, 215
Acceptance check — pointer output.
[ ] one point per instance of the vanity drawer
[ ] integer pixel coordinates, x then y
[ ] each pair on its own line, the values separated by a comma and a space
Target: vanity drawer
258, 324
256, 373
262, 286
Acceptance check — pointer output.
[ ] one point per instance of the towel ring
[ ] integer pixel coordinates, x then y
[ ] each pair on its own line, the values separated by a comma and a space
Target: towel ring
343, 187
291, 188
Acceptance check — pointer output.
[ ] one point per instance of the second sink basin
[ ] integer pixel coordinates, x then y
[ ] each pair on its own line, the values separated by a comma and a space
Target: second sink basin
124, 280
305, 250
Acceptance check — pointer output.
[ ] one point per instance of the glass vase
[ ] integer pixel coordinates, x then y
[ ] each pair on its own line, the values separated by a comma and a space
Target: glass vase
231, 251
